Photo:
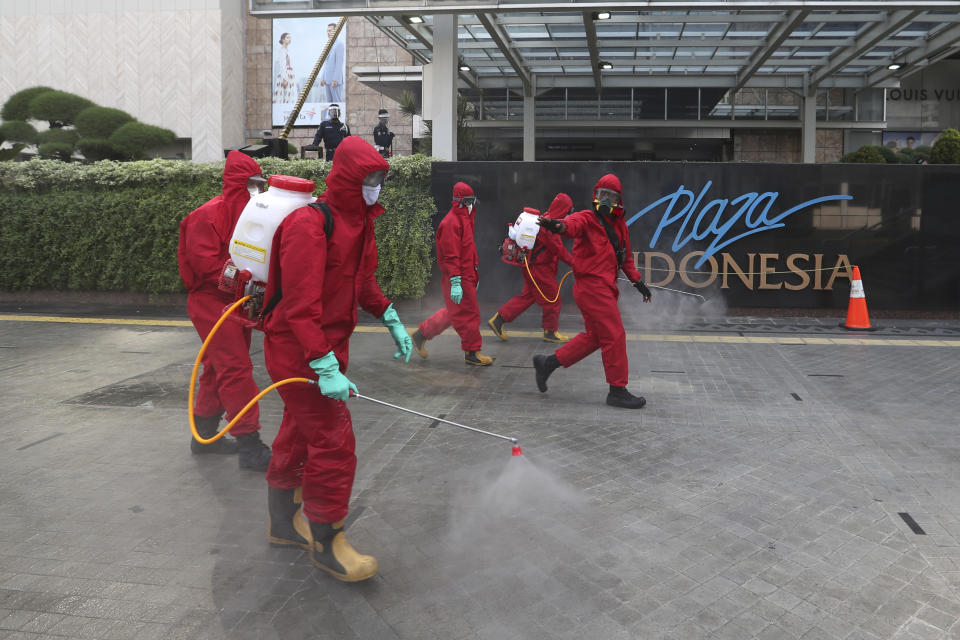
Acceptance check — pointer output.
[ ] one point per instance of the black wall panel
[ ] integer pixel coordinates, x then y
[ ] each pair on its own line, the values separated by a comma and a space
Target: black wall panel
776, 235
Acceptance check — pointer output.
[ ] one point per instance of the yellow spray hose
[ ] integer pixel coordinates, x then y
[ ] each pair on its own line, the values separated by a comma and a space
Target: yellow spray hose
193, 381
534, 281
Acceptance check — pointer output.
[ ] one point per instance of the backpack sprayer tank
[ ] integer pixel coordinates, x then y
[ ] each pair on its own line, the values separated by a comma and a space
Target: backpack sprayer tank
246, 272
521, 236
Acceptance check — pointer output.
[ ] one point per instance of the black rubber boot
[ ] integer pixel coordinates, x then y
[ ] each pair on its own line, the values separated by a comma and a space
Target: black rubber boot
254, 455
419, 344
477, 359
496, 323
283, 505
545, 365
620, 397
331, 552
207, 428
554, 336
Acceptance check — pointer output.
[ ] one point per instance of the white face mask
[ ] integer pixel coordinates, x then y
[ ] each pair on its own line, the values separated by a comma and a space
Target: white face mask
370, 194
469, 208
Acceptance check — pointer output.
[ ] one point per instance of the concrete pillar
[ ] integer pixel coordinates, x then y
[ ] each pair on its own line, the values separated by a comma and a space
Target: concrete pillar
445, 86
808, 143
529, 125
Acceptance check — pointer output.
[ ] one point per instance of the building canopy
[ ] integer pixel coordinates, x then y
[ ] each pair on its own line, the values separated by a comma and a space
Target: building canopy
798, 44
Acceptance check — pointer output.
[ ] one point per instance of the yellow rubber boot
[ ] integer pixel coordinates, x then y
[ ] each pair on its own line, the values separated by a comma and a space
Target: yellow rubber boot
332, 553
477, 359
496, 323
554, 336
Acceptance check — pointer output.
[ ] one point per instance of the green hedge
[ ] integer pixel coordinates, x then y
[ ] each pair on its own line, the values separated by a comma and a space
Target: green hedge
111, 226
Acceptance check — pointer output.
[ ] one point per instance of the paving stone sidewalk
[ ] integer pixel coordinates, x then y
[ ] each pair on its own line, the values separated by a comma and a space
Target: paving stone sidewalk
758, 495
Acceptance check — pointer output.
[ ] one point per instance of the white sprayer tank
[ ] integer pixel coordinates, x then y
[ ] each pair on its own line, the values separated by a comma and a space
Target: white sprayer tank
252, 238
524, 230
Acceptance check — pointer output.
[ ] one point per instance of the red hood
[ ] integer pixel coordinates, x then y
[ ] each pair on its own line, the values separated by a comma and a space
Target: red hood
236, 171
560, 207
354, 160
460, 190
609, 181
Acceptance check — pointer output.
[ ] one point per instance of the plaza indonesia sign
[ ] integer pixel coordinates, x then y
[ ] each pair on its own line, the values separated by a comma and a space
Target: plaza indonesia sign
707, 227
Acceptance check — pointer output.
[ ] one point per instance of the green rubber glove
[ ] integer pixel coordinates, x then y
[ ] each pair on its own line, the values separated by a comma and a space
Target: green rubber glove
456, 291
332, 383
391, 321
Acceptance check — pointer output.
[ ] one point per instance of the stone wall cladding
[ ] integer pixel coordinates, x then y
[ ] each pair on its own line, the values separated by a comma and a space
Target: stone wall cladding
783, 145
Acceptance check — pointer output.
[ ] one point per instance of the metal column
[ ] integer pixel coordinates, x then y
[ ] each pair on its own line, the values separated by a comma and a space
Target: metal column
529, 124
445, 86
808, 143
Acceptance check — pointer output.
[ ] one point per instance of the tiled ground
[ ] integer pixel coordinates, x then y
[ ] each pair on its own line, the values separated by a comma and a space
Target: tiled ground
756, 496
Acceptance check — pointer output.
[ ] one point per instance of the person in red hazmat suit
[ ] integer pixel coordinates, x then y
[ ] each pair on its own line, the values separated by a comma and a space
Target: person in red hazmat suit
601, 249
457, 259
227, 379
321, 268
543, 259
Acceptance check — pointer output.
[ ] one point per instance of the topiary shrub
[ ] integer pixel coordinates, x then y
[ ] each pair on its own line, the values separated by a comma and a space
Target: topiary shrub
18, 131
865, 154
135, 139
914, 156
889, 155
57, 107
100, 122
17, 106
12, 152
98, 149
55, 150
946, 150
65, 136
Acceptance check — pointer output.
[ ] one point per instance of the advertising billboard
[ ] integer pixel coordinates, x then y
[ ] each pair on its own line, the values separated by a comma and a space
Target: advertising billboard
754, 235
297, 45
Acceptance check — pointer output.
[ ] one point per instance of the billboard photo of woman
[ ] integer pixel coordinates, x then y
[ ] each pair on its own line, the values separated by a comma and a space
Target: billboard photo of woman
297, 45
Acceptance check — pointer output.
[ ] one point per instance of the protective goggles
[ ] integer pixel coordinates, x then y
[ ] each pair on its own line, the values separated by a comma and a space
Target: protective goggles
334, 112
374, 179
467, 201
607, 194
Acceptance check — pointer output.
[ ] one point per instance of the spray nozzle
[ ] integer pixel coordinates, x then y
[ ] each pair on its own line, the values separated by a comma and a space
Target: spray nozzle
517, 451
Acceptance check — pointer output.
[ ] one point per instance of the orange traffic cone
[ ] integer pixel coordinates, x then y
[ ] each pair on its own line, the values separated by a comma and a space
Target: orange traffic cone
857, 317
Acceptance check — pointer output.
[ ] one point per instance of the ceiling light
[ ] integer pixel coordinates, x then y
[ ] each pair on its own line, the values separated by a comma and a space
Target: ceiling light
464, 67
415, 20
893, 66
605, 65
600, 15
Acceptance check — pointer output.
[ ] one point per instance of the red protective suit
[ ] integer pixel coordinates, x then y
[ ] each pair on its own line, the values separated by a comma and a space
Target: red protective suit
595, 290
547, 252
457, 256
226, 382
323, 279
